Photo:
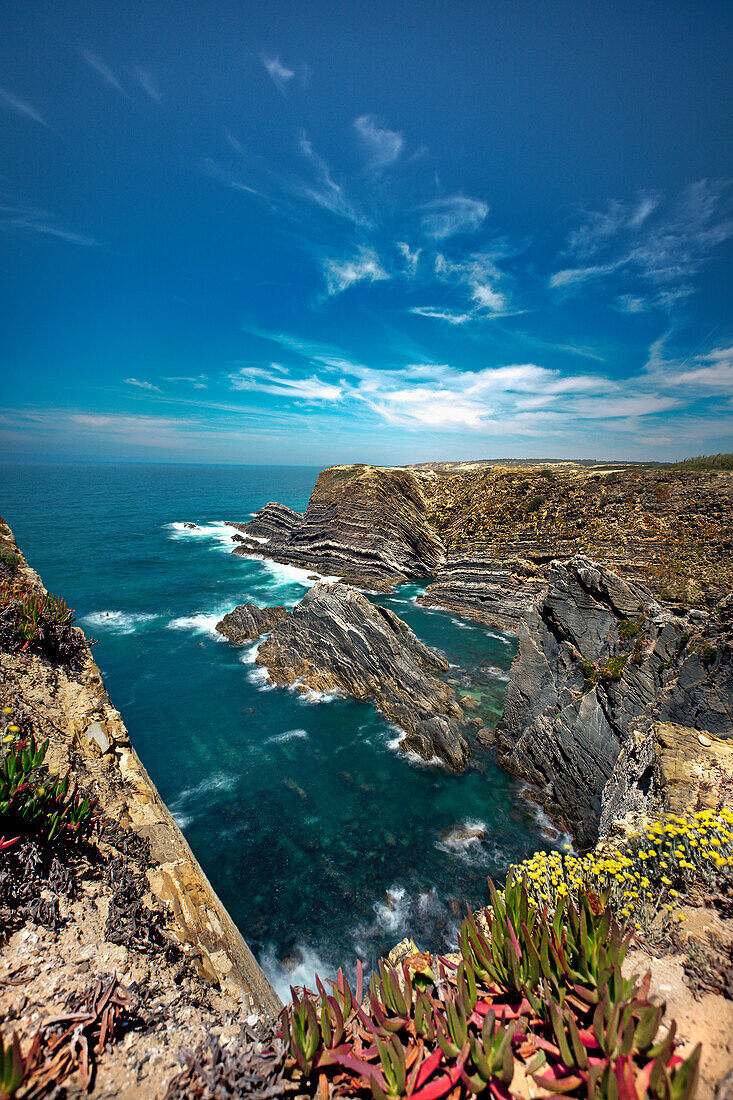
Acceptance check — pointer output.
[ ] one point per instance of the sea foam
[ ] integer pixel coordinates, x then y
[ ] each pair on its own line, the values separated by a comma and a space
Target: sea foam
118, 622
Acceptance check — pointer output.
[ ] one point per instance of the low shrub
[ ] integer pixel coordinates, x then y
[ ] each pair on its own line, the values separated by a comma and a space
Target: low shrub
32, 619
645, 879
612, 671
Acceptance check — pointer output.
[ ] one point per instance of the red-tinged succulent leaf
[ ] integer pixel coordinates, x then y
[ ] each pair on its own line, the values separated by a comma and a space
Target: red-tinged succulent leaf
499, 1090
427, 1068
368, 1070
623, 1069
441, 1085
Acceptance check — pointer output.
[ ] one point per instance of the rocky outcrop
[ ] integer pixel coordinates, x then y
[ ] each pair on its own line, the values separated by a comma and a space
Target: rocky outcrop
599, 661
249, 621
363, 524
336, 638
496, 593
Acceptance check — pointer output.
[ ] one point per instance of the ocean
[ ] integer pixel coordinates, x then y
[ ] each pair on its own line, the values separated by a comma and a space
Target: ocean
324, 841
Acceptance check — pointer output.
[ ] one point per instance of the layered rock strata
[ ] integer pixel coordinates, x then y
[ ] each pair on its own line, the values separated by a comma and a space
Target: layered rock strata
490, 591
599, 662
336, 638
249, 621
367, 526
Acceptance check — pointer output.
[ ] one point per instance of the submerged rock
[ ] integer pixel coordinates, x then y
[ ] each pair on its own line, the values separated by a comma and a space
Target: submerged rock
249, 621
336, 638
599, 661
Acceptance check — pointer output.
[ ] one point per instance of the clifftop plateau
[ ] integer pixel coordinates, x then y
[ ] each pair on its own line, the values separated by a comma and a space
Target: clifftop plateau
483, 535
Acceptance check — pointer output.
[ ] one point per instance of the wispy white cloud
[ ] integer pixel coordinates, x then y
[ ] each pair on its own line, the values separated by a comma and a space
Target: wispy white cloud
29, 219
660, 246
198, 383
20, 107
148, 83
325, 192
452, 317
365, 267
452, 215
276, 381
411, 256
103, 70
142, 384
280, 74
283, 75
383, 146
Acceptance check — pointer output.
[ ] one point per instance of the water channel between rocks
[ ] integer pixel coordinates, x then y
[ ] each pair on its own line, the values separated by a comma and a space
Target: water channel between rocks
322, 839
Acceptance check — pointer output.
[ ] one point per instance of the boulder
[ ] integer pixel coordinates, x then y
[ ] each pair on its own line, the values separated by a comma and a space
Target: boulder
248, 621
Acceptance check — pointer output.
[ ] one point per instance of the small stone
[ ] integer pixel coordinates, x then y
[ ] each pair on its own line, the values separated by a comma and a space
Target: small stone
704, 740
97, 736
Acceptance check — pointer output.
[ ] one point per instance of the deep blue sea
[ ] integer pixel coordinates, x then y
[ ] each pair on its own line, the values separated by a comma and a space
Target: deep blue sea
323, 840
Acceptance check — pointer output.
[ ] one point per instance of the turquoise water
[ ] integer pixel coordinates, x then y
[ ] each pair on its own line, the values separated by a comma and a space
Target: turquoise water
322, 839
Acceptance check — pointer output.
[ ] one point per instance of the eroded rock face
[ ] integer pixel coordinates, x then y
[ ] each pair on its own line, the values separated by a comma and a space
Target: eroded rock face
248, 621
367, 526
336, 638
480, 587
599, 661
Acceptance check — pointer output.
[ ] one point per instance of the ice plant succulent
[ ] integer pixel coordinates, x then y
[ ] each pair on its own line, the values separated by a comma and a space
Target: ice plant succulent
537, 986
33, 803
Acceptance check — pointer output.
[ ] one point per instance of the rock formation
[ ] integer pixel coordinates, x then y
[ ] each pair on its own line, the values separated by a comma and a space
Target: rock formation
491, 591
367, 526
485, 533
249, 621
336, 638
599, 661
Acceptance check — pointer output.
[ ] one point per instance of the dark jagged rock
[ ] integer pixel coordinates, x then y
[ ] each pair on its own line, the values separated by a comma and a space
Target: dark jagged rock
599, 661
367, 526
248, 621
336, 638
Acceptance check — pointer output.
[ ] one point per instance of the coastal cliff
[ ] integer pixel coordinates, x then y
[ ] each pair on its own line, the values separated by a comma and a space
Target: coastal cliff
483, 534
137, 904
366, 525
617, 579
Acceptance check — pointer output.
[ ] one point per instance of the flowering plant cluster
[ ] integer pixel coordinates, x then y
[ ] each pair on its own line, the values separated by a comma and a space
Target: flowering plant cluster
646, 877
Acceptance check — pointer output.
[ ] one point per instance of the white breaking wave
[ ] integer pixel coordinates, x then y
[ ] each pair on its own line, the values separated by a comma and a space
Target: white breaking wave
118, 622
203, 623
312, 695
394, 744
259, 676
299, 969
289, 735
181, 807
248, 656
468, 841
507, 639
220, 533
393, 911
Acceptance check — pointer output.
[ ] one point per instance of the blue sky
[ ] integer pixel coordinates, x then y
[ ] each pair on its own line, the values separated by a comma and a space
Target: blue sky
266, 232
